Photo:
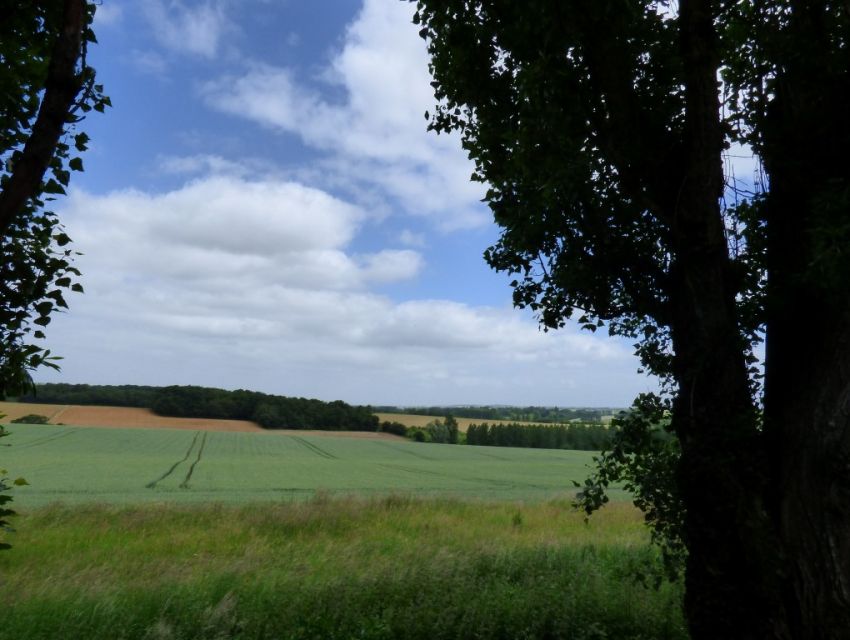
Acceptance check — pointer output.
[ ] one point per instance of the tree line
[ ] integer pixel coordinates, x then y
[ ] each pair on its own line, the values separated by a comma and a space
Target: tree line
268, 411
517, 414
582, 437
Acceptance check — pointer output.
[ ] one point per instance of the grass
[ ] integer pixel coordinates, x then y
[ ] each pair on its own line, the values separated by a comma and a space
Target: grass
174, 534
125, 466
389, 567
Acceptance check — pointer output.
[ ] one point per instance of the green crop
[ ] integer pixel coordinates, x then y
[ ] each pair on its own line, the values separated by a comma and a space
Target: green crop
78, 464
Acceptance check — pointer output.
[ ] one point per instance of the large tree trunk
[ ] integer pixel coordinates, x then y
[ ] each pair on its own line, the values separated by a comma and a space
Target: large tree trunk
808, 411
731, 575
807, 393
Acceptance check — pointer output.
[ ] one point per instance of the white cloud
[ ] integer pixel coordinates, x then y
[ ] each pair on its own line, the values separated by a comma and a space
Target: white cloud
108, 13
150, 62
412, 239
195, 29
377, 134
249, 283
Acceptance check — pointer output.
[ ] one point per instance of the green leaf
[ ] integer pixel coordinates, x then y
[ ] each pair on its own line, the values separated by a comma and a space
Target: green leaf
62, 239
81, 141
76, 164
54, 187
20, 482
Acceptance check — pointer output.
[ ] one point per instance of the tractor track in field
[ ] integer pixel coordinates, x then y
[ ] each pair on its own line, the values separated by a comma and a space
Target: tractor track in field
185, 483
415, 454
46, 439
314, 448
399, 467
153, 483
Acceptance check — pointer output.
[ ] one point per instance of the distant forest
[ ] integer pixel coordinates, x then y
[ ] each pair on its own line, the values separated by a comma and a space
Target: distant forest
268, 411
514, 414
584, 437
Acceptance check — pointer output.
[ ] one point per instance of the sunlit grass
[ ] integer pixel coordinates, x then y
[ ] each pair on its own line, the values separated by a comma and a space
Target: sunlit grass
372, 568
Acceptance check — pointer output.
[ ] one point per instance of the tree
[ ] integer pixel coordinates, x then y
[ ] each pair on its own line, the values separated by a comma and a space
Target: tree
45, 87
600, 130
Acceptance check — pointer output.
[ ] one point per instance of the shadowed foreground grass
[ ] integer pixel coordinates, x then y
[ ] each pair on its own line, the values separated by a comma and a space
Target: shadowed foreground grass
330, 568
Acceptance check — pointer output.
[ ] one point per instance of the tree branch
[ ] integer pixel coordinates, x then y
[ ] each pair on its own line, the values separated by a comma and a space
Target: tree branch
61, 88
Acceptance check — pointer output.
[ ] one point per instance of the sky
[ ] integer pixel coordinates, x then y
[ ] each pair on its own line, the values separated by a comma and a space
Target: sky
263, 208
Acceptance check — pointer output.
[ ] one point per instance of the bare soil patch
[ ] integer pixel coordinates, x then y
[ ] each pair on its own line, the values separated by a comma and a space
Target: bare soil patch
135, 418
15, 410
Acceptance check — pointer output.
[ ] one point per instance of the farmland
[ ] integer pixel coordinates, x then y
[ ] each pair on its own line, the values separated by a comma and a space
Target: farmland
415, 420
80, 464
172, 533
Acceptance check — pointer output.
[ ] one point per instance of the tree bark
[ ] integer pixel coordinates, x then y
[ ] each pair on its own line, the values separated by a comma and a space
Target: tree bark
61, 88
807, 393
732, 568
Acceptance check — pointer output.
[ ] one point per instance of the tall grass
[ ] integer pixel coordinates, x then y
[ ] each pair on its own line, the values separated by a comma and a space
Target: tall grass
392, 567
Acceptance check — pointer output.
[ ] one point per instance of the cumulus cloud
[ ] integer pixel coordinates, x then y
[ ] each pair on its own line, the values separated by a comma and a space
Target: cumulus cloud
233, 282
108, 13
377, 133
195, 29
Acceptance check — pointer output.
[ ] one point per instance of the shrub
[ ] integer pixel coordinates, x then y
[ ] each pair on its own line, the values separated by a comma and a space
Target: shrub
31, 418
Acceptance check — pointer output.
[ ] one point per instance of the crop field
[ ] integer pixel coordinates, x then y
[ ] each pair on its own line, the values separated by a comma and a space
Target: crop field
415, 420
170, 534
80, 464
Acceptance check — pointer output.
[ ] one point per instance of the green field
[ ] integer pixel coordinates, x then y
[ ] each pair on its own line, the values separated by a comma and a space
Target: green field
165, 534
77, 464
378, 569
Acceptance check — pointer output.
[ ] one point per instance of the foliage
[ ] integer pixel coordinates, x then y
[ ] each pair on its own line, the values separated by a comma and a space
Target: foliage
396, 428
6, 484
31, 418
269, 411
515, 414
642, 458
36, 263
582, 437
602, 133
92, 394
444, 431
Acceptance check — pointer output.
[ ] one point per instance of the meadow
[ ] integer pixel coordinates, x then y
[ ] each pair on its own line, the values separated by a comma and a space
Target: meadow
379, 568
171, 534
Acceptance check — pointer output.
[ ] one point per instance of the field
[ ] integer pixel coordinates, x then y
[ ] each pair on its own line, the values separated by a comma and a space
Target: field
85, 464
383, 568
414, 420
174, 533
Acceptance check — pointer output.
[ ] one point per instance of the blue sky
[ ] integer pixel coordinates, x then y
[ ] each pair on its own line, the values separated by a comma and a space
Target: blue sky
263, 208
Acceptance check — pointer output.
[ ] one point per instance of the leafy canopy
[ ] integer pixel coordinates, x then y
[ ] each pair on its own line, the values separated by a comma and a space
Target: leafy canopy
36, 261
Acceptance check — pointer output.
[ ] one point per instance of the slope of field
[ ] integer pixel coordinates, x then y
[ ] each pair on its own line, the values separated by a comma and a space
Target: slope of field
79, 464
124, 417
15, 410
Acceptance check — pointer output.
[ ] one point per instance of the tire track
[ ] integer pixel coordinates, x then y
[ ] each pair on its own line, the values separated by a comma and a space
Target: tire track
185, 483
45, 439
153, 483
403, 450
314, 448
398, 467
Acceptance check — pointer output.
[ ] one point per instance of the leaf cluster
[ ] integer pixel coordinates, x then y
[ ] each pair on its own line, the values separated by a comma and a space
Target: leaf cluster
6, 484
36, 263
